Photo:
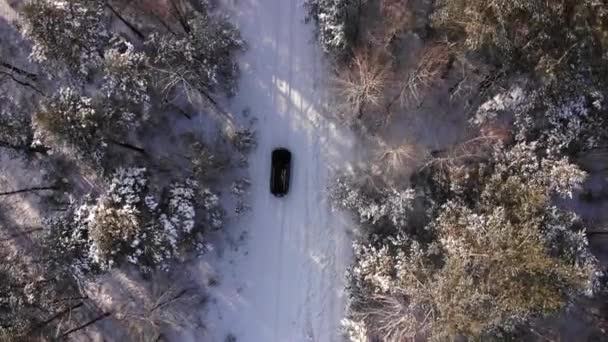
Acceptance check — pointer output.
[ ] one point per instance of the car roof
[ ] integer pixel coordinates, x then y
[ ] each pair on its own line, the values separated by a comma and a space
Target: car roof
281, 151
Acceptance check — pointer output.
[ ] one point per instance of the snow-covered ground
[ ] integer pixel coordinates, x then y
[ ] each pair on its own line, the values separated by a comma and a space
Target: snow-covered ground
284, 278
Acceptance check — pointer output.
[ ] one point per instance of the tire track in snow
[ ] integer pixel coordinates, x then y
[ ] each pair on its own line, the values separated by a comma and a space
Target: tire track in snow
290, 283
318, 200
279, 256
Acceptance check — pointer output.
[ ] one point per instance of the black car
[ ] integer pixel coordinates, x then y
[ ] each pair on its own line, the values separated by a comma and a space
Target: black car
280, 171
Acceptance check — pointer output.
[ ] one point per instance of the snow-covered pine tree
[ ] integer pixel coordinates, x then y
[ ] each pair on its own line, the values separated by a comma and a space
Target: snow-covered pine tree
438, 282
71, 118
336, 22
35, 299
85, 125
201, 59
568, 120
126, 84
132, 222
66, 34
375, 205
16, 131
551, 39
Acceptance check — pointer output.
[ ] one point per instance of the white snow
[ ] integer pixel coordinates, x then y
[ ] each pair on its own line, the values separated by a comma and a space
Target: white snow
284, 281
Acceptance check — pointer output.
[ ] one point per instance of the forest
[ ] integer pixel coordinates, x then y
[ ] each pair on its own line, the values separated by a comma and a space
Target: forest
475, 190
485, 124
102, 176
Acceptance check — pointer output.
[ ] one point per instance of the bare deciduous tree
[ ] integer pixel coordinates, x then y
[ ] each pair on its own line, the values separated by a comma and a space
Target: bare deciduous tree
432, 61
360, 86
398, 162
167, 304
397, 17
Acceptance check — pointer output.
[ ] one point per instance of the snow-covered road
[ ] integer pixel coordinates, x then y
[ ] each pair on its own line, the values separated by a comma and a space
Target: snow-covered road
284, 283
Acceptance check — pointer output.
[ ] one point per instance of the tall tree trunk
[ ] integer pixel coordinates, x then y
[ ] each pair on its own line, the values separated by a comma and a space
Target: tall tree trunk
216, 105
19, 71
128, 146
126, 22
27, 149
23, 83
162, 22
179, 109
32, 189
18, 235
54, 317
180, 17
80, 327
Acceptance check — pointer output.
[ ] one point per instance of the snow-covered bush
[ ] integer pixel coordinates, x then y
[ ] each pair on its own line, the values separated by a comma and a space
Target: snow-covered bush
201, 60
213, 212
336, 20
240, 190
244, 140
206, 163
66, 34
240, 187
133, 223
373, 206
